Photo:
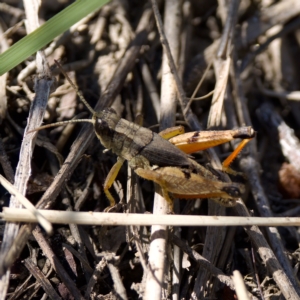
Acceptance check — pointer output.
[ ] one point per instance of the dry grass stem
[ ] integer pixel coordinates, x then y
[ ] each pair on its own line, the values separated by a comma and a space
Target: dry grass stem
92, 218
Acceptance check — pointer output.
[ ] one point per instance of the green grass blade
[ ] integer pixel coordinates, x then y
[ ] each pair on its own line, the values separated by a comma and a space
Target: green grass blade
47, 32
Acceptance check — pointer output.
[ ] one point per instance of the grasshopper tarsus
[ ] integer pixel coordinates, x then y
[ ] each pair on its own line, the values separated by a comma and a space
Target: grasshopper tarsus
115, 208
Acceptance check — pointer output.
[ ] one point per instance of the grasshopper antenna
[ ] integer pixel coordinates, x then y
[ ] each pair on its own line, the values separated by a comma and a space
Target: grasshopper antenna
78, 92
75, 88
60, 124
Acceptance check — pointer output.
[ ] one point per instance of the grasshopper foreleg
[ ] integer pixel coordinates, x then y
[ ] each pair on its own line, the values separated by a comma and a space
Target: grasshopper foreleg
110, 180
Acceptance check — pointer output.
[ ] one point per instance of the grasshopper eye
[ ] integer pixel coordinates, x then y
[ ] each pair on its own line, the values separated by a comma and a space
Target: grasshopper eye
103, 132
101, 126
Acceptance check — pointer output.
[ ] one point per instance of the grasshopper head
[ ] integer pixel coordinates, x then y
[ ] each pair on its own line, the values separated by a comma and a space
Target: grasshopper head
104, 124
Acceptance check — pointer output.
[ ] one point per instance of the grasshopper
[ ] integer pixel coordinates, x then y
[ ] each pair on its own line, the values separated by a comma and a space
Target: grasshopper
155, 158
